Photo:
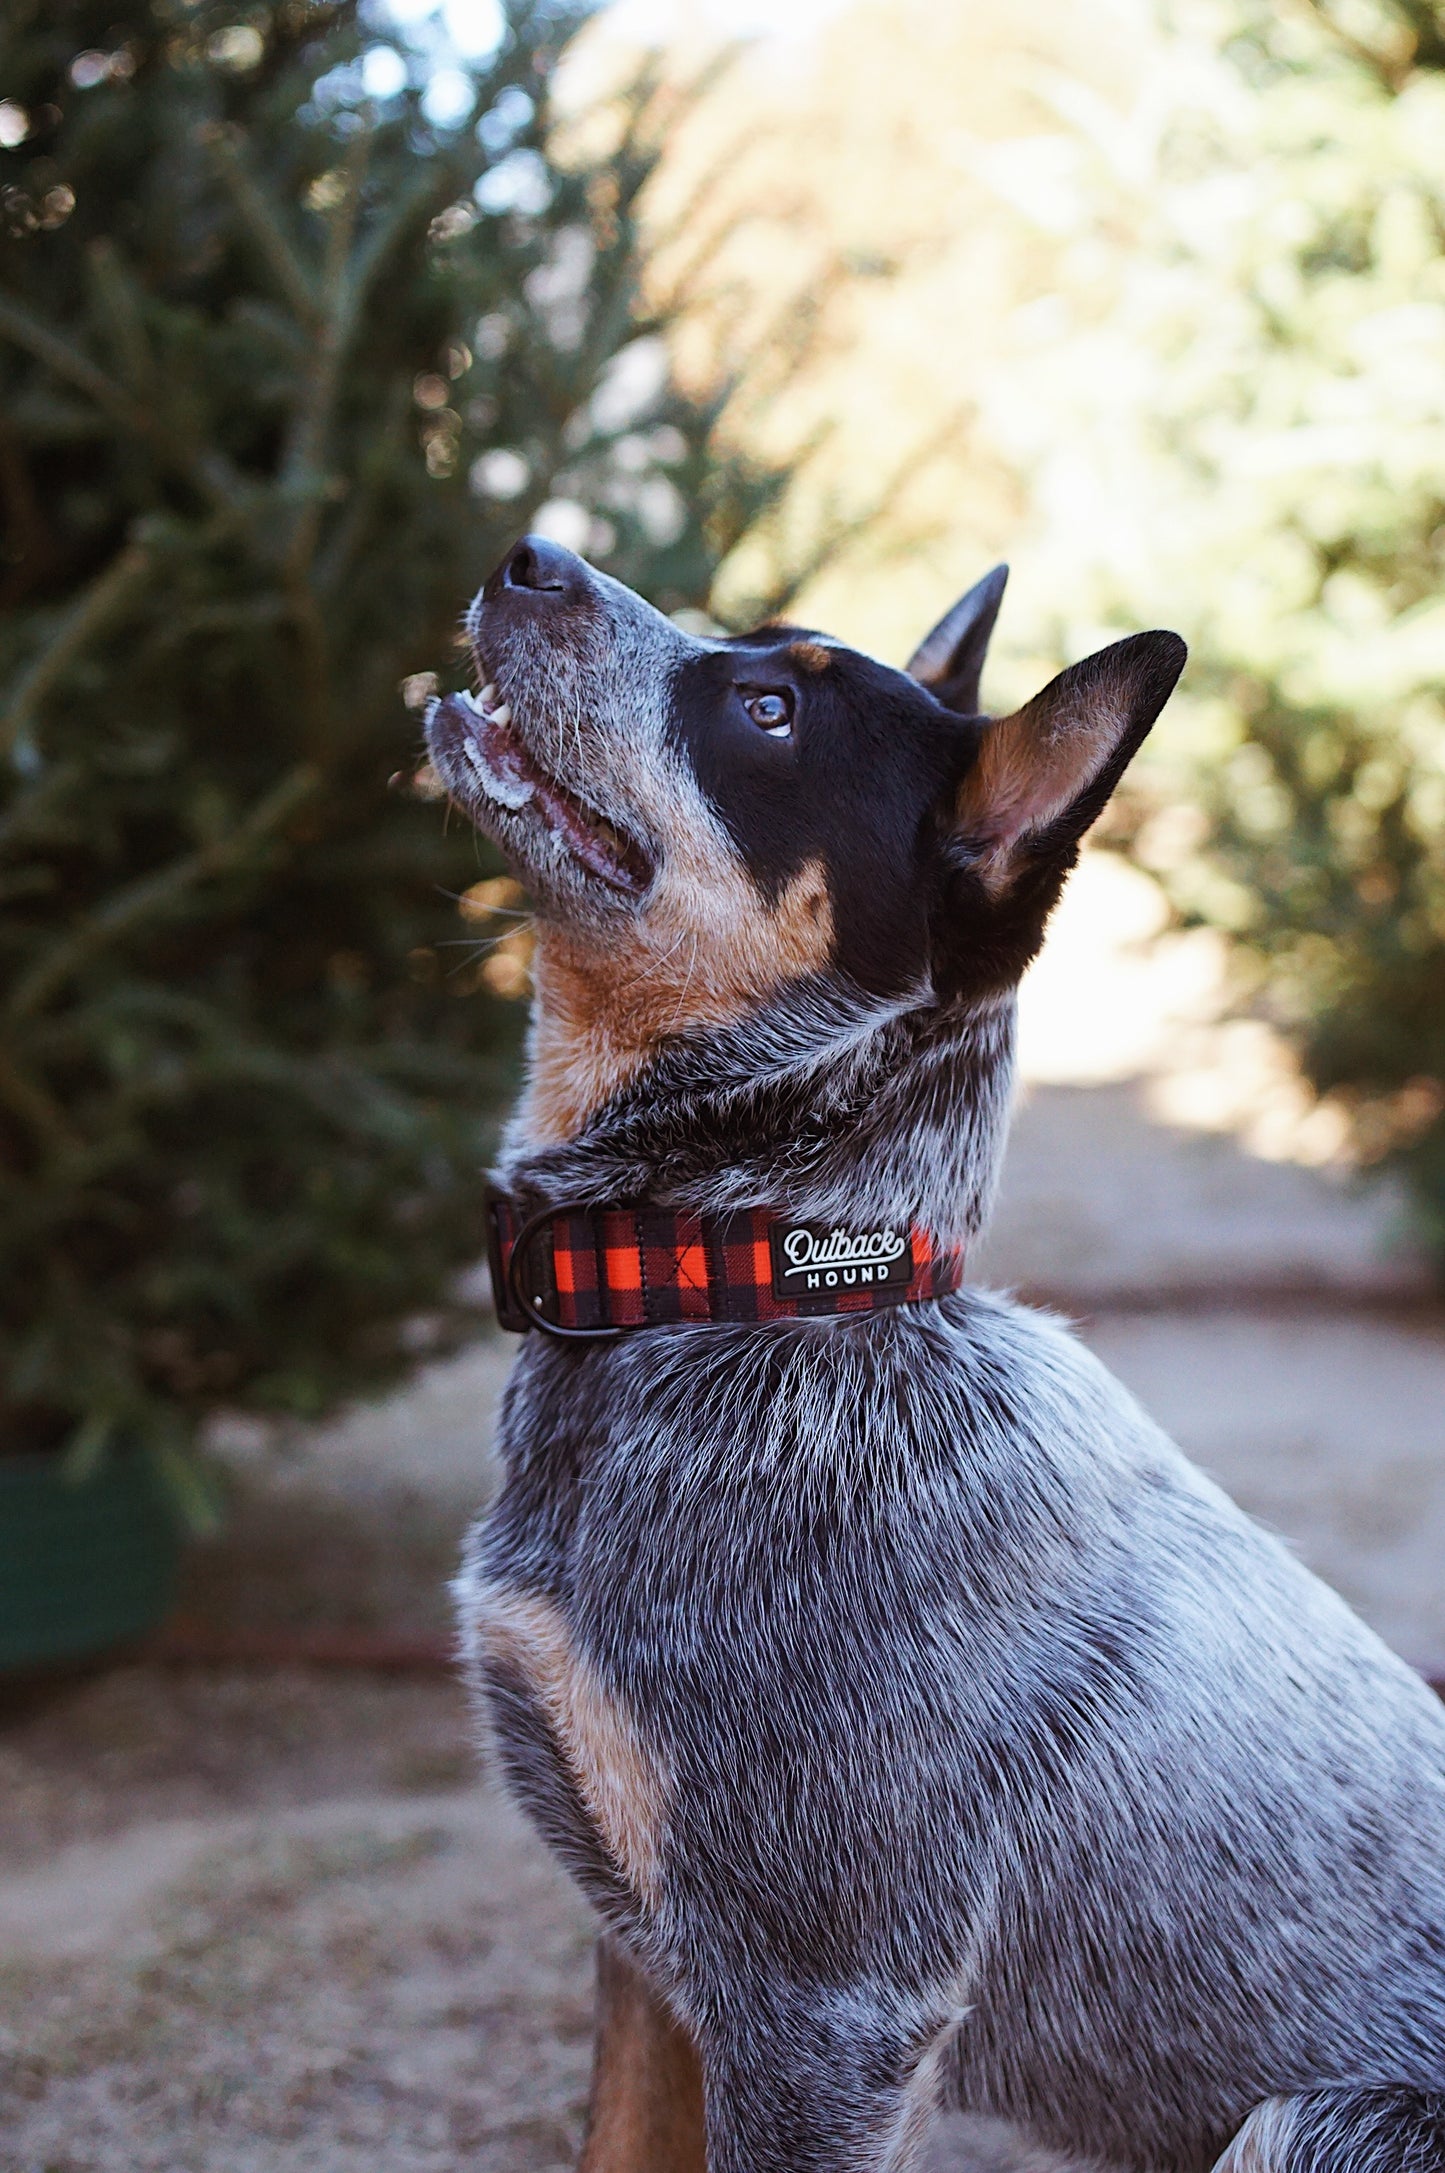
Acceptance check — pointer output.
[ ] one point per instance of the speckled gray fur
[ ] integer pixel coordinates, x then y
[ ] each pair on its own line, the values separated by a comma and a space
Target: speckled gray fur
1006, 1759
989, 1716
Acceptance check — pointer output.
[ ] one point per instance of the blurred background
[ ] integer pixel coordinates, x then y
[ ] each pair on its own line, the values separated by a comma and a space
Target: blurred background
306, 311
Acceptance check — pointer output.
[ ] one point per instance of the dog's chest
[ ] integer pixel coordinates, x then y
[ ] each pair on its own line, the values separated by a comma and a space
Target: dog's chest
576, 1753
682, 1643
586, 1765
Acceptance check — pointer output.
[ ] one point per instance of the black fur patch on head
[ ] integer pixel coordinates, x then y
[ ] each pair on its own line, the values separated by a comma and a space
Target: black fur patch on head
872, 760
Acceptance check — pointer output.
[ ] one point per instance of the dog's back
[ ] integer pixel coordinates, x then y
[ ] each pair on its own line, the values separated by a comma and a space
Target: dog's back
915, 1715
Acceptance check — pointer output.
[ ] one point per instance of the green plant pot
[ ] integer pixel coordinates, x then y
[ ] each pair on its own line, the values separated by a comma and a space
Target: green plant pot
83, 1565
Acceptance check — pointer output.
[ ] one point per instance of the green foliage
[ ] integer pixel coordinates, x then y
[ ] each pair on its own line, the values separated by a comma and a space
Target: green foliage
1326, 789
266, 347
1236, 421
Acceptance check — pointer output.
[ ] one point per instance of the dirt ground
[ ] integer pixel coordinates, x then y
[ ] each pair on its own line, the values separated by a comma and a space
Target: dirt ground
257, 1919
265, 1920
269, 1919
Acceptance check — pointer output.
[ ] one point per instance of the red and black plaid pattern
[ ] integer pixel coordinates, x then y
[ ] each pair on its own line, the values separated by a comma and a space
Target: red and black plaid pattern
586, 1271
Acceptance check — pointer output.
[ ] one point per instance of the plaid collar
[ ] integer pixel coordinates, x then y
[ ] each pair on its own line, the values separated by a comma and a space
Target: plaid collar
594, 1272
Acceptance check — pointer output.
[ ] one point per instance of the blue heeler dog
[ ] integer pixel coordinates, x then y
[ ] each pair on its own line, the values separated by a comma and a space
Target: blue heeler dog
923, 1727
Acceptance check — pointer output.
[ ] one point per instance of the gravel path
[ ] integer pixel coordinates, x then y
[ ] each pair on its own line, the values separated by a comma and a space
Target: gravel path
294, 1961
329, 1980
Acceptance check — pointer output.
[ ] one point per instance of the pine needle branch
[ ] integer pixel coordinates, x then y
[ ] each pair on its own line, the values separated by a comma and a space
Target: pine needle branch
33, 1106
17, 324
31, 808
334, 319
116, 293
211, 472
261, 220
130, 907
100, 603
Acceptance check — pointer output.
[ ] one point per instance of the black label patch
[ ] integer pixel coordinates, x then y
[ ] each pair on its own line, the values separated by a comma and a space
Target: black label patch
811, 1261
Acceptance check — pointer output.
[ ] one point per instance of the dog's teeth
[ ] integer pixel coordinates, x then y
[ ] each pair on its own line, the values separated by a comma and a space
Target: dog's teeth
471, 701
487, 696
502, 714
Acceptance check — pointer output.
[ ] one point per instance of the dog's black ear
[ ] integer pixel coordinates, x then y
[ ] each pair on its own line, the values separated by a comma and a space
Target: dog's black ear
1043, 775
949, 661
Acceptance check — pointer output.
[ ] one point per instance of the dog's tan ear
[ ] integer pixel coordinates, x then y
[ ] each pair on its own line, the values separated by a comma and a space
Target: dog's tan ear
949, 661
1043, 775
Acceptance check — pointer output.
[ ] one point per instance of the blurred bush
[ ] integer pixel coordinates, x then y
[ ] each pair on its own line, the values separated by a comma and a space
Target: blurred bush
1302, 402
297, 330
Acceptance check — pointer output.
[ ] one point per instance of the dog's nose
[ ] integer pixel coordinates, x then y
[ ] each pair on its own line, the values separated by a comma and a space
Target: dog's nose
541, 567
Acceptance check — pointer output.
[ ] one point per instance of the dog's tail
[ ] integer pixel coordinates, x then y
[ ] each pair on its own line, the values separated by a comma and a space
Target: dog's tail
1342, 2130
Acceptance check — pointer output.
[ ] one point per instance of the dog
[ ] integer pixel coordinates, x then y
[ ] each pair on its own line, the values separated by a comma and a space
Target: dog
923, 1727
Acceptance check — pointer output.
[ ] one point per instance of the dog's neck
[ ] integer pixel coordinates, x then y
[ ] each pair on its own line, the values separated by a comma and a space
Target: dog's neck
584, 1045
824, 1104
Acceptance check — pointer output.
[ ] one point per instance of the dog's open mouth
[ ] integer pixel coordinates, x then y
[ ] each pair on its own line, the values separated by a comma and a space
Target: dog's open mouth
500, 768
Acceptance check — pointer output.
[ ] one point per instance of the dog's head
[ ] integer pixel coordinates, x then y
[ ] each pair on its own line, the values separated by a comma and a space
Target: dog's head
702, 821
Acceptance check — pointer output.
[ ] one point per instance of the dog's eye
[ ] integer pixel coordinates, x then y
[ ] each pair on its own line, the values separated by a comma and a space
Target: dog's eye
771, 712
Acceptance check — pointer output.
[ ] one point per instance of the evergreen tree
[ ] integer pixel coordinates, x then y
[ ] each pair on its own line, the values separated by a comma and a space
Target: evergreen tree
283, 368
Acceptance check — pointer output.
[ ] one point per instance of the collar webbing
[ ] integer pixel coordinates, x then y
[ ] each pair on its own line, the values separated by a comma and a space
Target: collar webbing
590, 1272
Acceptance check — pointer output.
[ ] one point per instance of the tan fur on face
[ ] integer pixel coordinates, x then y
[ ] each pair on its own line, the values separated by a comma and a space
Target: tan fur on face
705, 949
620, 1781
705, 946
810, 654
